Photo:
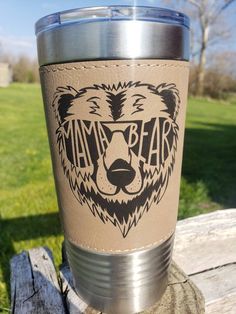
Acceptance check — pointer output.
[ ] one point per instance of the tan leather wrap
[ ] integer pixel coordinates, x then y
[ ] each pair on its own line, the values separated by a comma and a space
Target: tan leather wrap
81, 222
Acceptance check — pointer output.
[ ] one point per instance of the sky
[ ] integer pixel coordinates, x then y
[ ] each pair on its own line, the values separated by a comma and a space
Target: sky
17, 19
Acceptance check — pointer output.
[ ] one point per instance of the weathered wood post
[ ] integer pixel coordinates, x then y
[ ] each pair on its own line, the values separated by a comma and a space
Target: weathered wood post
205, 248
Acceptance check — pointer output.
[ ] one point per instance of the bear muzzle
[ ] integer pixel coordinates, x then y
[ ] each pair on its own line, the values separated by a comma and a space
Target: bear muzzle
120, 173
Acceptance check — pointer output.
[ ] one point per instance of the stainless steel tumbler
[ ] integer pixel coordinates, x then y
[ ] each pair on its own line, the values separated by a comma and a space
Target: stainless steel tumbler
114, 82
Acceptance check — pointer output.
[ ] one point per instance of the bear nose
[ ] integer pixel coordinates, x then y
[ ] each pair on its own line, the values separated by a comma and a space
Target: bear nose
117, 149
120, 173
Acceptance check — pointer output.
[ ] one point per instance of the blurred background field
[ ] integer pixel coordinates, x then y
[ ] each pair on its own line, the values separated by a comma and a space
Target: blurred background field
28, 202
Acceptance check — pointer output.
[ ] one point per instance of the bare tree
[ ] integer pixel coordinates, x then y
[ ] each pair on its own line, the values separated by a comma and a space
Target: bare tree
208, 13
209, 26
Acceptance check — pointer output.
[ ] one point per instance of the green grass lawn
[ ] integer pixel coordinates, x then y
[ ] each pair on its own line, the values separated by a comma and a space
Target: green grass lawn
28, 210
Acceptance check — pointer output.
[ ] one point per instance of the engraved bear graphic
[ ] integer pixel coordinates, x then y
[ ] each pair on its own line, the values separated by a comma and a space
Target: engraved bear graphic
117, 145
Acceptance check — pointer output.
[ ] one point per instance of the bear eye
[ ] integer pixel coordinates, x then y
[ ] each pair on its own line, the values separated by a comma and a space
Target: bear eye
108, 132
127, 134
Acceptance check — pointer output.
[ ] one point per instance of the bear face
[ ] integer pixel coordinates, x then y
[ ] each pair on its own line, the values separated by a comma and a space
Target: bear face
117, 145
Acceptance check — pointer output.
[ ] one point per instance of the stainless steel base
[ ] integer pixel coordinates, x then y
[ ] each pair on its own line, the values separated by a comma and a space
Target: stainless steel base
120, 283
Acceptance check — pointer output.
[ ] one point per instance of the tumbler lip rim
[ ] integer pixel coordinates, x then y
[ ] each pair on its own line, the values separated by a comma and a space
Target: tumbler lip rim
69, 17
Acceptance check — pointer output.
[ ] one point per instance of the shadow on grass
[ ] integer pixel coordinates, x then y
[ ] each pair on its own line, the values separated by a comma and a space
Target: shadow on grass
24, 228
210, 157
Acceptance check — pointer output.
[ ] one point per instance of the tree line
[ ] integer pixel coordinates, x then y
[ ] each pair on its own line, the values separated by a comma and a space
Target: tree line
219, 76
213, 67
23, 68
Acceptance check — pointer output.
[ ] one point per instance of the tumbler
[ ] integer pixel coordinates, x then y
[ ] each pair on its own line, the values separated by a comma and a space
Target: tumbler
114, 82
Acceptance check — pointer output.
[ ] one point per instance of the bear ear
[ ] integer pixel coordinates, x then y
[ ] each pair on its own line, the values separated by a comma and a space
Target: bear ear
62, 102
170, 96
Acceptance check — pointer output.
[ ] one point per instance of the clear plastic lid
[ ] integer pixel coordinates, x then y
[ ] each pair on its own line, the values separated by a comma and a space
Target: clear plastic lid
110, 13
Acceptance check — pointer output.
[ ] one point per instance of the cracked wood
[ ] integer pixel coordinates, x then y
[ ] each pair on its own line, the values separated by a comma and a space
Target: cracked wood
34, 284
205, 248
